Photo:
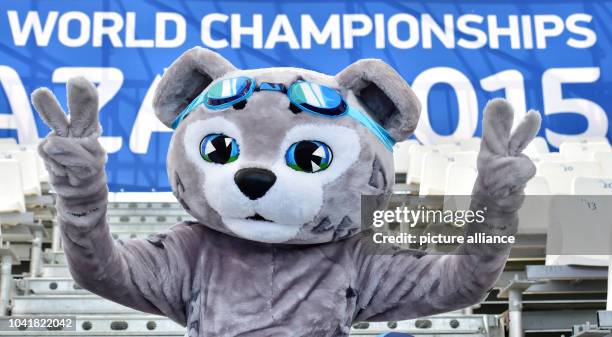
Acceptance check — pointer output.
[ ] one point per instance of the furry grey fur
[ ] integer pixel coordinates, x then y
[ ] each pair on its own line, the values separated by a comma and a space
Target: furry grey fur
314, 283
387, 96
195, 70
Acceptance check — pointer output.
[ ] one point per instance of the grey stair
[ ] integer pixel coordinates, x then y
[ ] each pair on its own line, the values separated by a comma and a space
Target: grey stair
50, 286
140, 325
151, 228
16, 218
566, 273
40, 200
43, 214
67, 305
52, 257
21, 251
143, 205
137, 212
90, 334
452, 325
147, 219
130, 235
16, 233
136, 323
55, 270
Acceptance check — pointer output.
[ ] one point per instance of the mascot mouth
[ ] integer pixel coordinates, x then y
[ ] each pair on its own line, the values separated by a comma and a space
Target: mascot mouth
258, 217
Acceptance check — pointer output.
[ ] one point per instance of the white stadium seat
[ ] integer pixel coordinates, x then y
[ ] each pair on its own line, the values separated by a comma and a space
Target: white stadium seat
460, 178
8, 144
533, 214
547, 157
43, 175
469, 144
434, 170
592, 186
537, 147
8, 141
11, 193
560, 175
581, 225
401, 155
28, 161
588, 139
582, 151
605, 162
537, 186
459, 182
416, 153
446, 148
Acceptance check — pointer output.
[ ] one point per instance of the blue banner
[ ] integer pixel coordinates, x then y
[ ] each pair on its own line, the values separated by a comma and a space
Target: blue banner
552, 56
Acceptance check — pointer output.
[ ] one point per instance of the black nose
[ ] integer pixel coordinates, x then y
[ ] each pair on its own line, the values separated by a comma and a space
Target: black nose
254, 182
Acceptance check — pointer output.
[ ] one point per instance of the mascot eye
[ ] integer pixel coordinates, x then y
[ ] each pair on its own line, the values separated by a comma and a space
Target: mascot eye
309, 156
219, 148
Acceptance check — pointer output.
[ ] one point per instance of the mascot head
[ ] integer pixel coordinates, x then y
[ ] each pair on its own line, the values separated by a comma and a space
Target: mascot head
282, 155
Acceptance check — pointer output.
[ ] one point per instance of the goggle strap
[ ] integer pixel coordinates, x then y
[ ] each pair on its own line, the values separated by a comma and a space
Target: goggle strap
374, 127
196, 102
269, 86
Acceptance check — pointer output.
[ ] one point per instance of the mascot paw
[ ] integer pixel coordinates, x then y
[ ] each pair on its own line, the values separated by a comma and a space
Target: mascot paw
72, 149
503, 170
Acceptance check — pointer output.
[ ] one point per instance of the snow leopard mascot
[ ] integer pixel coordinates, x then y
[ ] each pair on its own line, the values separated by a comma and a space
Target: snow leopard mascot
272, 163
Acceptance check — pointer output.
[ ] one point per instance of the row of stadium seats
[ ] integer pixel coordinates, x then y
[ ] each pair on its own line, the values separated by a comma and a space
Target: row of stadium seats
54, 292
450, 169
576, 231
26, 212
580, 168
50, 290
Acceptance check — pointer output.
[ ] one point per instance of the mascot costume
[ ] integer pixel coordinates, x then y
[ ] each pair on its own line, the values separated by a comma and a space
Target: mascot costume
272, 164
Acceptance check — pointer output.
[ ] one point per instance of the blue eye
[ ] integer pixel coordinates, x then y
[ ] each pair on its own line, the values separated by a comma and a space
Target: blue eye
309, 156
218, 148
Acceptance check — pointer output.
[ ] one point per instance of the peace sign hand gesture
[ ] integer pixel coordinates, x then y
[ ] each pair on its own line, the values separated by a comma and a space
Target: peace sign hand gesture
71, 151
503, 170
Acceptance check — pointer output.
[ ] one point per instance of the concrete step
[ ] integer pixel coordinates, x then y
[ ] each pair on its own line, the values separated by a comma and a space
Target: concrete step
67, 305
89, 334
49, 286
140, 212
127, 235
147, 219
449, 325
143, 205
150, 325
136, 227
55, 270
51, 257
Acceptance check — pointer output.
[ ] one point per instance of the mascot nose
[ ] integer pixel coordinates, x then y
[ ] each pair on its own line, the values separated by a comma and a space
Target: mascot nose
254, 182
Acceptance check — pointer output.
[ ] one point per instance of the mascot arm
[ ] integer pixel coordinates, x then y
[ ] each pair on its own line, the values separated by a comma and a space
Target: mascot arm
151, 275
409, 284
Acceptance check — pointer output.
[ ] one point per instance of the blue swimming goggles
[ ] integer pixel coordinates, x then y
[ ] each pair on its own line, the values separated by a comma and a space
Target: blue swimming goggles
309, 97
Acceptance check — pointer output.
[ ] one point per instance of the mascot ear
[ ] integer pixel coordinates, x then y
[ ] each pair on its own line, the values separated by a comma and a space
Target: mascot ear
185, 79
384, 92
